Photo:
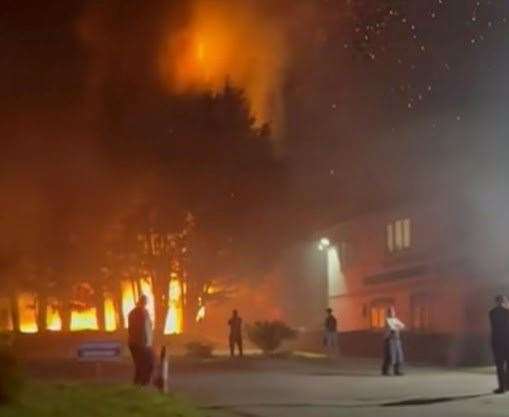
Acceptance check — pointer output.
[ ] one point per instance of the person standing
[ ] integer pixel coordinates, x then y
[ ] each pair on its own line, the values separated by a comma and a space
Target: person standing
140, 340
499, 321
235, 338
393, 349
330, 337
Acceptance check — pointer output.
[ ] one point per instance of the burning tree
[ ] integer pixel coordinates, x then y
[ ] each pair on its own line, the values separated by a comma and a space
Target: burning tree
163, 256
100, 245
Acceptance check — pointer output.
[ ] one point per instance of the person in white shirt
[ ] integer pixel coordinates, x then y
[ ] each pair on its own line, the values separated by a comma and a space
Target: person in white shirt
393, 350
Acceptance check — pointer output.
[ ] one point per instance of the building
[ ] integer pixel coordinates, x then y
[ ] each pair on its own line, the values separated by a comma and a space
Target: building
439, 264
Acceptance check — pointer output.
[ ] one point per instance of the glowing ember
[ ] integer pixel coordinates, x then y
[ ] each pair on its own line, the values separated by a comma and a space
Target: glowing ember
175, 317
27, 313
110, 316
53, 319
84, 320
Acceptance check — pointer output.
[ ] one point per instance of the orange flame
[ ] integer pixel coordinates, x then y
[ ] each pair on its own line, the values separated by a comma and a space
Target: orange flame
110, 315
27, 313
129, 297
228, 40
53, 319
175, 317
146, 289
84, 320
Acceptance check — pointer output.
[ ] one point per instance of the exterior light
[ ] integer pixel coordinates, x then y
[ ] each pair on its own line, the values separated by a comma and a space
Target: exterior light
324, 243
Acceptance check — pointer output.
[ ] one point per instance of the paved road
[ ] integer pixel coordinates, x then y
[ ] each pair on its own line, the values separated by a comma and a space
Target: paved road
256, 387
282, 388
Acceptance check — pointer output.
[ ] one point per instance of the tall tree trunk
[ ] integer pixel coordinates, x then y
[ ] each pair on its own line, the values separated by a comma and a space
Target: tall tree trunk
117, 299
13, 301
42, 311
100, 311
160, 289
135, 287
65, 314
191, 306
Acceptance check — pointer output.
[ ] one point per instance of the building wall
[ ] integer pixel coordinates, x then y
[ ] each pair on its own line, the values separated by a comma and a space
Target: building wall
438, 272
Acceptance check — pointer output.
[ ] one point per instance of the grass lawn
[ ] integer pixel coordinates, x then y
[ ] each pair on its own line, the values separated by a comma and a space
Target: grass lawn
94, 400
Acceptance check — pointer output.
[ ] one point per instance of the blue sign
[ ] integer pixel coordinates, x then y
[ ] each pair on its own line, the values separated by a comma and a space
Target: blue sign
99, 351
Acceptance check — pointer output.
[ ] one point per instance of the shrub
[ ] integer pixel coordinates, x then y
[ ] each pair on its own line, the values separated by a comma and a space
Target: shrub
10, 376
199, 350
268, 335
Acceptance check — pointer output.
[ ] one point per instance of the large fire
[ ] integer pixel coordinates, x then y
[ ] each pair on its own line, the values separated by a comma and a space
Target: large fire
84, 317
228, 40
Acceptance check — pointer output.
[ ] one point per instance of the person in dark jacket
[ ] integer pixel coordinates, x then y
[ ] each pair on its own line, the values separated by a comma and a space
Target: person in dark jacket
235, 338
330, 337
140, 340
499, 321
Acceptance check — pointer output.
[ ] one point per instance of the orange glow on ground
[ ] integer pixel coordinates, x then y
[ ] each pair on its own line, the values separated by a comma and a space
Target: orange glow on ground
175, 317
27, 313
84, 320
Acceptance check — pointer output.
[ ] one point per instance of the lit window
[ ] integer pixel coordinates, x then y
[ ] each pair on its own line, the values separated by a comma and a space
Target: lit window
378, 312
399, 235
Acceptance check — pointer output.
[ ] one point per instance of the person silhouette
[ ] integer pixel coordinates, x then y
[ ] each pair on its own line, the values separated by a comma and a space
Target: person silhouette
499, 322
140, 340
235, 337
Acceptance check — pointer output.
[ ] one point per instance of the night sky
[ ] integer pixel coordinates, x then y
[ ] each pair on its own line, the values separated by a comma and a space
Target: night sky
371, 103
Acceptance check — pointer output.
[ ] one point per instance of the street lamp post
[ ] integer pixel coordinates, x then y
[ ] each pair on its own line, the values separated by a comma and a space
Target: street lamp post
324, 245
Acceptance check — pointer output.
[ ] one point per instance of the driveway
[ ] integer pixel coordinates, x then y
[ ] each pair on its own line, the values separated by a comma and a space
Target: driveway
295, 388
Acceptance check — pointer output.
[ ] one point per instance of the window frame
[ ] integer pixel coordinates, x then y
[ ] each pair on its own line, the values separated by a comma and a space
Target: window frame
398, 235
379, 304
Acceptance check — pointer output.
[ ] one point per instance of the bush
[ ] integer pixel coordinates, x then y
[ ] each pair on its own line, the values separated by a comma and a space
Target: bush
10, 376
199, 350
268, 335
